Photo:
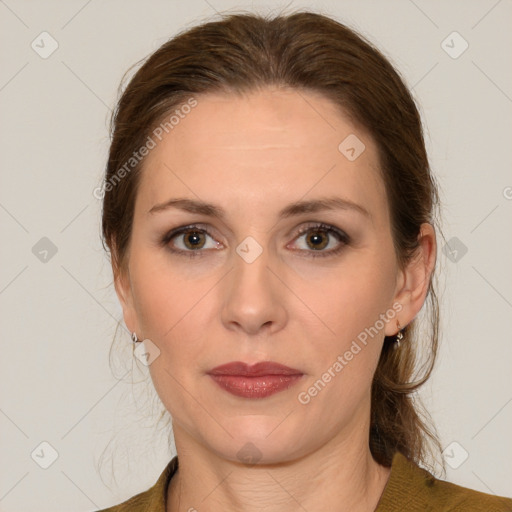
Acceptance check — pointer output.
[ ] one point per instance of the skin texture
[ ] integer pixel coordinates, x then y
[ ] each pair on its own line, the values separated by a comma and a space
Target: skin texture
252, 156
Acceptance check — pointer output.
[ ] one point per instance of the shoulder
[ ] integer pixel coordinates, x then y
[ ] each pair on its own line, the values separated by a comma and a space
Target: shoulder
152, 500
456, 498
138, 503
413, 489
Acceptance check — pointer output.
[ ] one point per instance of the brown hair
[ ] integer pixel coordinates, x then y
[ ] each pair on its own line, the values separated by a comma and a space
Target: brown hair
305, 51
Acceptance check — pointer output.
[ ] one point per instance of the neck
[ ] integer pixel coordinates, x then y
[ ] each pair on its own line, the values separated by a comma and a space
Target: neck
342, 475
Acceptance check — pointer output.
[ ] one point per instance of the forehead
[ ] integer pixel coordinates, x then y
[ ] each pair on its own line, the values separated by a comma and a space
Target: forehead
265, 147
269, 118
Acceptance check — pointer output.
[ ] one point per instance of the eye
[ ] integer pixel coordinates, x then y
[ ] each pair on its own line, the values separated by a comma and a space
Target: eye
315, 238
191, 240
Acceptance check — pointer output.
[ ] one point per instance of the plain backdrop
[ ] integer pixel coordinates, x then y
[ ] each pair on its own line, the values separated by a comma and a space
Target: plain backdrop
58, 308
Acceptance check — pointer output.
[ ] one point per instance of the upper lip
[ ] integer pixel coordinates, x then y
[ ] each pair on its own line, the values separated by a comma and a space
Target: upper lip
255, 370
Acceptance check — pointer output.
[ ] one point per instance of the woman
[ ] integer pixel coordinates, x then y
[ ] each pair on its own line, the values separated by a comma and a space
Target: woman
270, 215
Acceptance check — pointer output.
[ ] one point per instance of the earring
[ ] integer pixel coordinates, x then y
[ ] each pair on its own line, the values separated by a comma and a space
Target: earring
134, 338
399, 335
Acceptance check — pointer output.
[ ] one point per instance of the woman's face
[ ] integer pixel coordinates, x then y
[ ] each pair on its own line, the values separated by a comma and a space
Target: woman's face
255, 284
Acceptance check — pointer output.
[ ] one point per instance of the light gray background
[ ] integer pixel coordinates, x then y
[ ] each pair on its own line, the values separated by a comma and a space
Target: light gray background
59, 316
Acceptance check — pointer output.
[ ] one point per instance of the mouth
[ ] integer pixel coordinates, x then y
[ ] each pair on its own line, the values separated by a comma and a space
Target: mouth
260, 380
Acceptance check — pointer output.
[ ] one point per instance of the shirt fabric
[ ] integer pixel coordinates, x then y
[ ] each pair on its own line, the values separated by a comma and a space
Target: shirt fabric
409, 489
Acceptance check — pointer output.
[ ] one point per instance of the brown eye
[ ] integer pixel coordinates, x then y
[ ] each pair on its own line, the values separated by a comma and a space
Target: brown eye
194, 239
321, 240
317, 239
190, 241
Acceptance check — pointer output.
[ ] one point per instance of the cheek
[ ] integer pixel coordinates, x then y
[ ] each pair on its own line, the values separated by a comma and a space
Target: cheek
349, 297
351, 304
174, 311
171, 313
165, 298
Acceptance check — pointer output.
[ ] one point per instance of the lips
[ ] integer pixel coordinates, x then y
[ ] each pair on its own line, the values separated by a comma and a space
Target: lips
254, 381
255, 370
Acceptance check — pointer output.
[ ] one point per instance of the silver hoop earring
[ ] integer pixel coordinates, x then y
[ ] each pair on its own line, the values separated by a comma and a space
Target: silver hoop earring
134, 338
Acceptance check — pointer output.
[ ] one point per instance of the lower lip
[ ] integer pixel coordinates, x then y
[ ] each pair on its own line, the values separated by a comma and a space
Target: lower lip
255, 387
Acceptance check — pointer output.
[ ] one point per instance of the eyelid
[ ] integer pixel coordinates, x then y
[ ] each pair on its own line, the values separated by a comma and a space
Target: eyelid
322, 226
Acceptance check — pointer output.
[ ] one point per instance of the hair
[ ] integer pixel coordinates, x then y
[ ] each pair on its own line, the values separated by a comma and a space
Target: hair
304, 51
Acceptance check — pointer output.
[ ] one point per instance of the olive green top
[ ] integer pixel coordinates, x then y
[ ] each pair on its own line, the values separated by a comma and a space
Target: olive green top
409, 488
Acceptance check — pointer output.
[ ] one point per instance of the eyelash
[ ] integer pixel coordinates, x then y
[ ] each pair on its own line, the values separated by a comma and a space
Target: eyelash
342, 237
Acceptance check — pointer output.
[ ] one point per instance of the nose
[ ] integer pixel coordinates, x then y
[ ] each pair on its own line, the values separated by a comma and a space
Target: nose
254, 299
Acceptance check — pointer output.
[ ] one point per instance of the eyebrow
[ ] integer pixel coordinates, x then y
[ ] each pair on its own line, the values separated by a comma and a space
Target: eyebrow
293, 209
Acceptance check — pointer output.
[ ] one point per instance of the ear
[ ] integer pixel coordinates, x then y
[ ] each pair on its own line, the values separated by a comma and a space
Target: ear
122, 285
413, 281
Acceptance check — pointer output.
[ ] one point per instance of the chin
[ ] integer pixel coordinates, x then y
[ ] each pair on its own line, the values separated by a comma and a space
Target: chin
260, 439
